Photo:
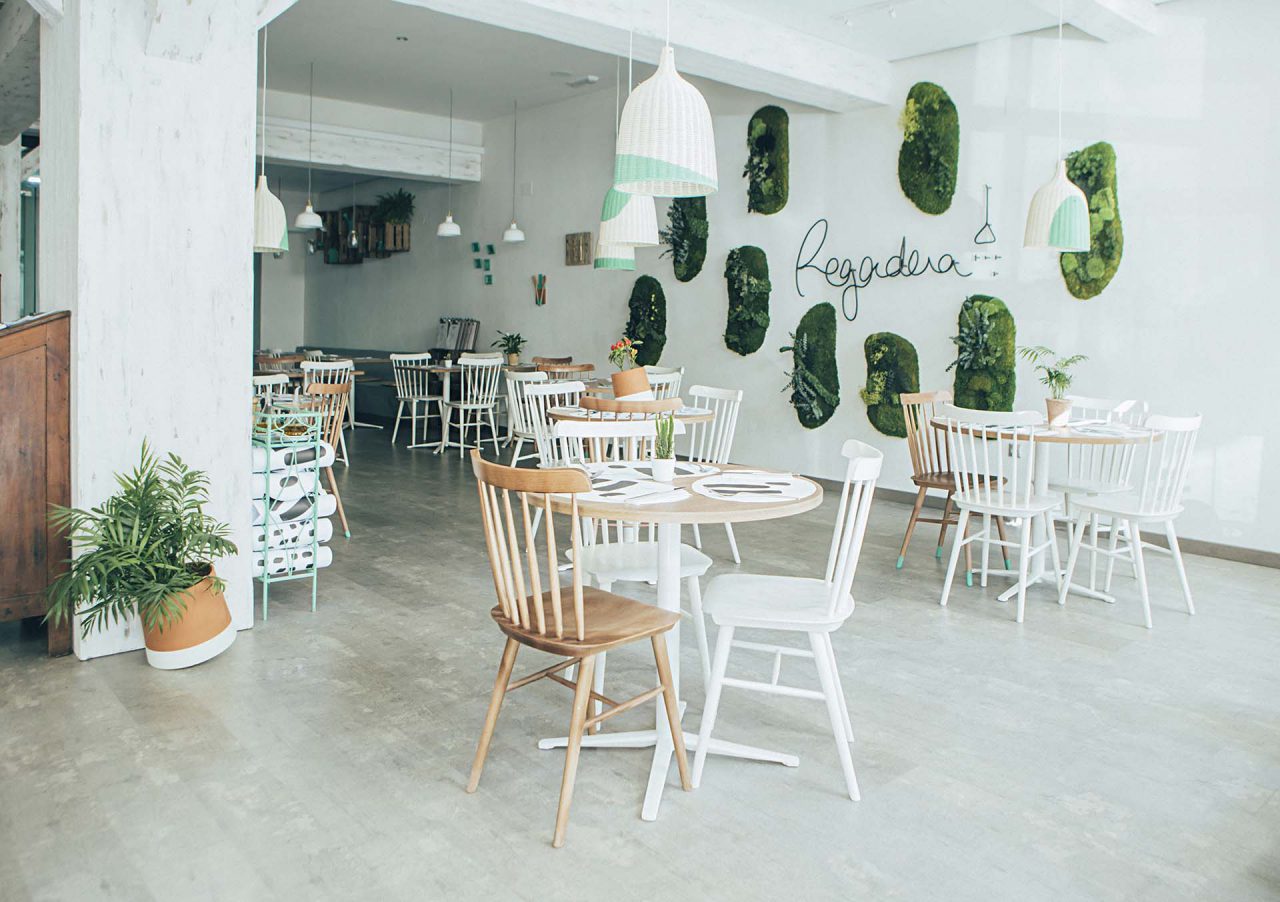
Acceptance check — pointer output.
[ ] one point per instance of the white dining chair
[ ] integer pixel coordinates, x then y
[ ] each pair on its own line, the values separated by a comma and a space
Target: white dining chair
519, 428
790, 604
541, 398
1157, 500
314, 354
271, 387
477, 401
711, 443
993, 458
337, 372
413, 388
665, 381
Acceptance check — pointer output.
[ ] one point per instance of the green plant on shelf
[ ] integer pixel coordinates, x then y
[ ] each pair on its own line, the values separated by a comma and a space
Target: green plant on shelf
142, 548
1054, 371
395, 207
509, 342
664, 443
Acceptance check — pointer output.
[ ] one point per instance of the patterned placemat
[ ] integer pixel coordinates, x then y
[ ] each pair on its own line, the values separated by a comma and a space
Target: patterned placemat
754, 488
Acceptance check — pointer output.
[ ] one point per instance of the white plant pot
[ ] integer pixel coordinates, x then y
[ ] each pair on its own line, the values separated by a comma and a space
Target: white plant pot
664, 469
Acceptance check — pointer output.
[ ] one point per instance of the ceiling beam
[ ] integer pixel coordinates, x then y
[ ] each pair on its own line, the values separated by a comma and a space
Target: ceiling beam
712, 41
50, 10
19, 69
1108, 20
345, 149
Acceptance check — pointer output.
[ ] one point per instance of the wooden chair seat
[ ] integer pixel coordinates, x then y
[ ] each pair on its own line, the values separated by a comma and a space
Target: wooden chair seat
944, 481
612, 621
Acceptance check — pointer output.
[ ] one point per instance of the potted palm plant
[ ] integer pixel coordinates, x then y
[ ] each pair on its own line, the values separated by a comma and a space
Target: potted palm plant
511, 344
1055, 372
664, 449
630, 381
149, 550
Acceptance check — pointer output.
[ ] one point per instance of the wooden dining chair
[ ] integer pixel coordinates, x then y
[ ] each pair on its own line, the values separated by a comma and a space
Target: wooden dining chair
931, 469
568, 372
592, 622
330, 400
552, 361
332, 373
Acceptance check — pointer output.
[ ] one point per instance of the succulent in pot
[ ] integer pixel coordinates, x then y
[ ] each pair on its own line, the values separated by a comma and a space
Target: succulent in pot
149, 550
664, 449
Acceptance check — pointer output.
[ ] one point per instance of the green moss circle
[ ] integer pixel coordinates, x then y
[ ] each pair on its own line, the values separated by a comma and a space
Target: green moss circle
746, 273
768, 160
930, 153
647, 321
893, 367
686, 236
991, 385
1094, 172
814, 380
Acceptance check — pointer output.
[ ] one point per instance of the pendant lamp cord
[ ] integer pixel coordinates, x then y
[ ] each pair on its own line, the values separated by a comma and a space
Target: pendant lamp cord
311, 108
617, 95
631, 37
450, 151
515, 146
262, 139
1059, 79
668, 23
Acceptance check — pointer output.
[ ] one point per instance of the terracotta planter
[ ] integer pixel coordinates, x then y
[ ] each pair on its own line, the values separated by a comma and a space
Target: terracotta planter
1059, 411
632, 382
513, 360
204, 632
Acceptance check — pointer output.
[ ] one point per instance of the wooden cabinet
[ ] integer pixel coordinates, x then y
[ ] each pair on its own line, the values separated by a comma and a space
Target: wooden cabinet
35, 464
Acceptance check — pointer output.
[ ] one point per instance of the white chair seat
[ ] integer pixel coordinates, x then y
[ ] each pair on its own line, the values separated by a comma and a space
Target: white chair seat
463, 405
1127, 506
774, 602
1035, 504
636, 562
420, 398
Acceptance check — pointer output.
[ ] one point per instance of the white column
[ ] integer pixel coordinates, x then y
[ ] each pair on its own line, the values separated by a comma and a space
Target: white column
146, 236
10, 229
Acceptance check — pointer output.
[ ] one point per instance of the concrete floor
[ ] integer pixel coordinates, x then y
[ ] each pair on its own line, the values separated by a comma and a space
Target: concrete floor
1077, 756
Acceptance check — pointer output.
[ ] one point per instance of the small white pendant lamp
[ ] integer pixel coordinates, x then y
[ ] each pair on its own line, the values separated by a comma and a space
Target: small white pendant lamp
309, 218
666, 146
627, 218
1059, 214
270, 227
614, 256
449, 228
514, 234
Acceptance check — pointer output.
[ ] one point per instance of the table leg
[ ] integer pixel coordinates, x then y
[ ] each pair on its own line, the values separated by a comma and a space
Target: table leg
444, 414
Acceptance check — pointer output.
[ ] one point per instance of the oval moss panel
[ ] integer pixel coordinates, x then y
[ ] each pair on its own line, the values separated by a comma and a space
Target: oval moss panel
768, 160
686, 236
647, 321
1094, 172
930, 152
814, 379
985, 377
746, 274
893, 367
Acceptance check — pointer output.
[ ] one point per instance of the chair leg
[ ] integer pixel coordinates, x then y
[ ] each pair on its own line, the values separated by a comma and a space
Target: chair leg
968, 554
396, 430
342, 443
1113, 539
577, 723
911, 526
955, 557
507, 664
699, 629
697, 537
515, 455
1140, 566
1075, 537
838, 728
1177, 562
1051, 532
597, 684
1004, 549
493, 432
733, 543
337, 498
1093, 554
942, 529
537, 519
835, 673
1024, 555
986, 546
673, 708
724, 643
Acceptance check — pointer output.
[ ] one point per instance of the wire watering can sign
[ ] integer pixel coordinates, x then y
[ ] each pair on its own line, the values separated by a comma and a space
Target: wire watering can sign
851, 278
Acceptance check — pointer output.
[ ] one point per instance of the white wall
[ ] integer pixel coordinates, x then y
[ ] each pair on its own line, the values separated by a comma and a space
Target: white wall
1186, 323
281, 298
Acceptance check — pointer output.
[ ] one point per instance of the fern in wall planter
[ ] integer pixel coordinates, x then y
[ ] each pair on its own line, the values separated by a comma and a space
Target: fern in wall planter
768, 160
686, 236
1094, 172
893, 367
746, 273
647, 322
930, 153
814, 380
985, 359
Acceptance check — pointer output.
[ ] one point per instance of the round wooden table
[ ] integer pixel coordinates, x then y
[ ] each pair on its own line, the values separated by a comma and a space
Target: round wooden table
669, 516
684, 414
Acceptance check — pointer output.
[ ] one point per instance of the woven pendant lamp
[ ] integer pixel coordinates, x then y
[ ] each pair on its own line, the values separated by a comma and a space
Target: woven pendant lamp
1059, 214
270, 228
628, 219
615, 256
666, 145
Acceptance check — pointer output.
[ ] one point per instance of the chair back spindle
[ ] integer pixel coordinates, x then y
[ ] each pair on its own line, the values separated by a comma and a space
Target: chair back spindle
927, 445
851, 519
479, 380
1167, 462
411, 382
711, 443
540, 398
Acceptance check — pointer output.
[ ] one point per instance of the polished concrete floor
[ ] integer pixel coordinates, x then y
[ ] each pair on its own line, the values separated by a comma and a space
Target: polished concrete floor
1075, 756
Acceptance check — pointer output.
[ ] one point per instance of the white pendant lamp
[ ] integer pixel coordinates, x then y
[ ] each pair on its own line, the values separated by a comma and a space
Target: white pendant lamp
449, 228
1059, 214
270, 227
627, 218
614, 256
309, 218
666, 146
514, 234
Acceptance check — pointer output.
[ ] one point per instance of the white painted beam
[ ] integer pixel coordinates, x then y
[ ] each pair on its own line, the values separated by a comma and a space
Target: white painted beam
371, 152
19, 69
1108, 20
269, 10
49, 10
712, 40
176, 30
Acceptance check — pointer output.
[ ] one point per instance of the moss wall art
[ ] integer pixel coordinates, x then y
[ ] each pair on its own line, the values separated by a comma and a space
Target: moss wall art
893, 367
930, 150
686, 236
647, 322
768, 160
814, 381
746, 273
1094, 172
985, 360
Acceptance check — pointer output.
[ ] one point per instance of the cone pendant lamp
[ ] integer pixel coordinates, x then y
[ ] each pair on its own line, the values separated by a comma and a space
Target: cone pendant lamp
614, 256
270, 228
449, 228
1059, 214
309, 218
514, 234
